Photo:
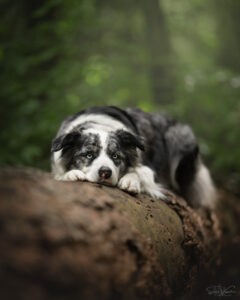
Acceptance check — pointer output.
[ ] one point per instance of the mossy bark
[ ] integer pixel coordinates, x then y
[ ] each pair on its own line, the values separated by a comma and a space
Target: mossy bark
78, 240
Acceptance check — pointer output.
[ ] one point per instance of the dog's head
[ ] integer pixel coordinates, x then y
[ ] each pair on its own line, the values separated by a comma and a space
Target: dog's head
102, 156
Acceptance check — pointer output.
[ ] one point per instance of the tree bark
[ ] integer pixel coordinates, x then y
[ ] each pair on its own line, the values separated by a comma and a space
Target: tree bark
78, 240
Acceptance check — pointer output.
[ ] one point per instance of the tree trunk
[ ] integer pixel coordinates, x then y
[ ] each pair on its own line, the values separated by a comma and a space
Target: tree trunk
228, 32
78, 240
160, 52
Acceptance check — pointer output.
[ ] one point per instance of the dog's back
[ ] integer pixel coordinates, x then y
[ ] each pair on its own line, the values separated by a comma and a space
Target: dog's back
172, 151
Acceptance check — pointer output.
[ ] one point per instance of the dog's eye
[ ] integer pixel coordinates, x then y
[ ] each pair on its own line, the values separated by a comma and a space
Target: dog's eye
89, 155
115, 156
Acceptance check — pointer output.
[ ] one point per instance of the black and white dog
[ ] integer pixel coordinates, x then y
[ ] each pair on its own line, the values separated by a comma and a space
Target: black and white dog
138, 152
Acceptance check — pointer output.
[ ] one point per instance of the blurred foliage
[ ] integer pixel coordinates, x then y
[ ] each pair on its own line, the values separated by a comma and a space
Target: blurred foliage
180, 57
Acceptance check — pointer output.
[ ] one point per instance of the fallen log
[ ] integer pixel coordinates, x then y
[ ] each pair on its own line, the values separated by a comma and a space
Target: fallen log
79, 240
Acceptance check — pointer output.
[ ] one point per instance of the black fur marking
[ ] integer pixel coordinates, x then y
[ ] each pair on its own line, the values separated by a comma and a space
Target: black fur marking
114, 151
128, 140
182, 147
153, 127
112, 111
186, 170
85, 155
127, 155
116, 154
65, 141
81, 151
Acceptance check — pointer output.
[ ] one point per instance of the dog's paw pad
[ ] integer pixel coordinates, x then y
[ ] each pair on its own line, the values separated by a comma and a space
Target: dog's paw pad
130, 183
72, 175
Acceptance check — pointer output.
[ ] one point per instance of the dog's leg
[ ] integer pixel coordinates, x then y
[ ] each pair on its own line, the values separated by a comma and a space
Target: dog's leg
130, 183
141, 180
72, 175
148, 184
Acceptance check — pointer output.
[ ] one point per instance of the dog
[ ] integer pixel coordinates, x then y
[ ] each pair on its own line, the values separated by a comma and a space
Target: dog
136, 151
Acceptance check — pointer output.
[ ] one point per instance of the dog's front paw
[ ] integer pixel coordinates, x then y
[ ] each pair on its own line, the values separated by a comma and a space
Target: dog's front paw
130, 183
156, 193
72, 175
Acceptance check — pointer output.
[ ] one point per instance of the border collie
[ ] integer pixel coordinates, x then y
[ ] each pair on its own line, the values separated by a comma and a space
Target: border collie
137, 151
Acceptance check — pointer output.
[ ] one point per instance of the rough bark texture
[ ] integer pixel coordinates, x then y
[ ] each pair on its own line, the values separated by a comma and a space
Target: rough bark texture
77, 240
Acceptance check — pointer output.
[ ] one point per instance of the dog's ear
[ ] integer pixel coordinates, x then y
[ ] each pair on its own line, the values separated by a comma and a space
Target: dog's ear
66, 140
129, 140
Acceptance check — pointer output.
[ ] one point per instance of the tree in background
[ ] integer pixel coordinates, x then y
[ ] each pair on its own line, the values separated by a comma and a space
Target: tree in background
41, 67
161, 66
228, 58
228, 30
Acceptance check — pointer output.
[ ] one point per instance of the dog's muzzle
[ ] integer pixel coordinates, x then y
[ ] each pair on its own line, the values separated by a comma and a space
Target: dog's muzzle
104, 173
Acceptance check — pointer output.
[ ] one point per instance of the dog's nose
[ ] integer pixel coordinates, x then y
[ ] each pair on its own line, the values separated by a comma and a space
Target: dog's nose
104, 173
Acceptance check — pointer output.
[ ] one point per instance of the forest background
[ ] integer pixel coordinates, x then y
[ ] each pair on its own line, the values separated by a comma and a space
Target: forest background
180, 57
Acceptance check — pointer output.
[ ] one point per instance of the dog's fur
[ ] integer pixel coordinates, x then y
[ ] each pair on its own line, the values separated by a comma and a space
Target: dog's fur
138, 152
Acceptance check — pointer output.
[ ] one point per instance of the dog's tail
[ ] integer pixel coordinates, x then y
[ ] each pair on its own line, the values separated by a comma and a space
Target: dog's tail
188, 175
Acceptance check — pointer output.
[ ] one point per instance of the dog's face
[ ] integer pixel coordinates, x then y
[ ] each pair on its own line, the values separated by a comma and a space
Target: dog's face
102, 156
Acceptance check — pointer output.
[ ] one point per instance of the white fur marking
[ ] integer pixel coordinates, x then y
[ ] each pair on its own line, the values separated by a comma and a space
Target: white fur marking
57, 167
130, 182
202, 192
104, 121
148, 184
72, 175
103, 160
